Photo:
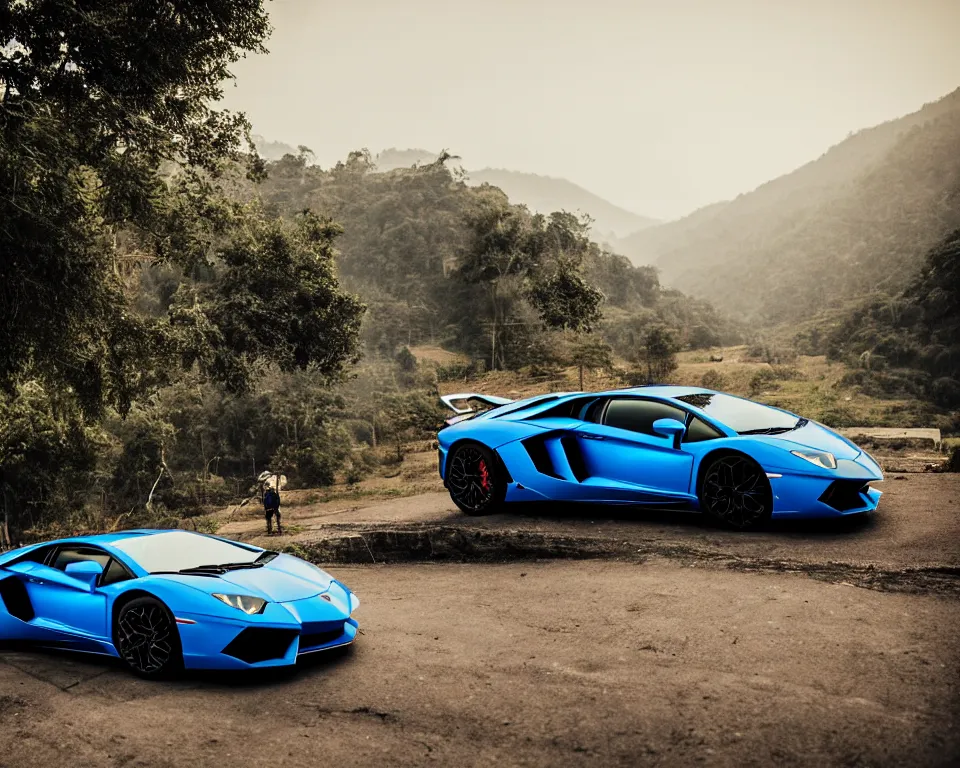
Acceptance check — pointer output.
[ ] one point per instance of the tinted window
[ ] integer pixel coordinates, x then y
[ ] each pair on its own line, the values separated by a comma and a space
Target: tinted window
568, 408
69, 555
739, 414
639, 415
594, 411
115, 573
38, 555
698, 430
176, 550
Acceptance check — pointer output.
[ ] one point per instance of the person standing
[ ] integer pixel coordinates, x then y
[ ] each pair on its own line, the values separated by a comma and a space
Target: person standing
271, 508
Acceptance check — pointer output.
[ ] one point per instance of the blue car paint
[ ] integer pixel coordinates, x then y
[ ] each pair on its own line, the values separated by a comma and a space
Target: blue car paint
639, 469
68, 613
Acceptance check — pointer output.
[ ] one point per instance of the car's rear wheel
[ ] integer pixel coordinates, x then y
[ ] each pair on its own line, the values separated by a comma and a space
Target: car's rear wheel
146, 637
475, 481
734, 490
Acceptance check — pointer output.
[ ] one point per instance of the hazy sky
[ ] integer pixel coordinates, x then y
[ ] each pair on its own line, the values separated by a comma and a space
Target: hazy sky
660, 107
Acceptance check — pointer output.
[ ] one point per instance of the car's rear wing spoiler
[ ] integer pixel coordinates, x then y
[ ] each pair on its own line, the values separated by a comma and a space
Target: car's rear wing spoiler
466, 397
465, 410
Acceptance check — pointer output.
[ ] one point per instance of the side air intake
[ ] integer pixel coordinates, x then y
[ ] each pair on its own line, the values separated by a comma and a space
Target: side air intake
15, 599
536, 448
571, 449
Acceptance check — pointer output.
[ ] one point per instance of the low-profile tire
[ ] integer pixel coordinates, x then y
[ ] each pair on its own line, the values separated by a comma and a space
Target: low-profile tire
145, 635
476, 482
734, 491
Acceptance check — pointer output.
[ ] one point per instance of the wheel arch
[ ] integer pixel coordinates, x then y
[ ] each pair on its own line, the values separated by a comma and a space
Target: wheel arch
708, 458
501, 464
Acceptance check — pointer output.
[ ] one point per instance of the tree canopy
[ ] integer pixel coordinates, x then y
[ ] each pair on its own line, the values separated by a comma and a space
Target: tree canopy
112, 158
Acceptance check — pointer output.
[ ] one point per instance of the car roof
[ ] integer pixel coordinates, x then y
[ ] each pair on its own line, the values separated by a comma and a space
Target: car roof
672, 391
107, 539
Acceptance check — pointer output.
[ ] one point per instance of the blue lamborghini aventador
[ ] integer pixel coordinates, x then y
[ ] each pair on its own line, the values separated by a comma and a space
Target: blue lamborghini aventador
161, 600
736, 460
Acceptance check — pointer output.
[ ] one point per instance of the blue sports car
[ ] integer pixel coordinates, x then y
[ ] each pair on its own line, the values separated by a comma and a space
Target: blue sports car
164, 600
739, 461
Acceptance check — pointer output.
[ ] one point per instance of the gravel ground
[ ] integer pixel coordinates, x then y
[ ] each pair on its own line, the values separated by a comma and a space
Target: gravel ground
572, 636
549, 663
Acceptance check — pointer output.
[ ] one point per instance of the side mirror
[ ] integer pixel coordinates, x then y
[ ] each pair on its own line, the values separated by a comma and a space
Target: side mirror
670, 428
86, 571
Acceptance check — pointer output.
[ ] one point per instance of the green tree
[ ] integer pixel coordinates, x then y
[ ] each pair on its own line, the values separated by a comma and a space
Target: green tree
277, 299
565, 300
498, 251
47, 454
99, 104
588, 351
111, 153
658, 354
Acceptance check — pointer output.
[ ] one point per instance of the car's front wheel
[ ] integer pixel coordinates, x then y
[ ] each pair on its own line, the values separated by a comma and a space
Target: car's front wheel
474, 479
734, 490
147, 639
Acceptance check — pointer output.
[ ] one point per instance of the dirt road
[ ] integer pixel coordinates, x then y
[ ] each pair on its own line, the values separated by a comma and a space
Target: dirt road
674, 644
917, 526
558, 663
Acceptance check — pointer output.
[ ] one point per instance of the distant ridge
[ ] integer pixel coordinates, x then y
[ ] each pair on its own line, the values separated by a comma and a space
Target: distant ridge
856, 220
272, 150
544, 194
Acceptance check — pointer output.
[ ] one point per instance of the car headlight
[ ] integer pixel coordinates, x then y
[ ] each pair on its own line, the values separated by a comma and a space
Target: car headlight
822, 459
246, 603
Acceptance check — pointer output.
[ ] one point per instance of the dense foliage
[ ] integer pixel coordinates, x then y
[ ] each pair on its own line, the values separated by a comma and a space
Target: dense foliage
439, 261
909, 343
128, 258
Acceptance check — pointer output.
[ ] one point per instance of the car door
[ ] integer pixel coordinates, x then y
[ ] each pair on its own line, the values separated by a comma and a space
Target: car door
620, 449
60, 602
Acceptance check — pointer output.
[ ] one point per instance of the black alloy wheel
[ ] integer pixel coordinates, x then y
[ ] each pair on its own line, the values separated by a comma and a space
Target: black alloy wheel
147, 639
474, 483
736, 492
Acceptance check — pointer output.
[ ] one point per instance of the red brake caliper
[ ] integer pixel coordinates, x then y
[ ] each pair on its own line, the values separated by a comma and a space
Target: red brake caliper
484, 475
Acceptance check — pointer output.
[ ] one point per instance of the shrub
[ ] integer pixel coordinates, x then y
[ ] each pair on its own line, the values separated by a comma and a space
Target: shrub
953, 463
946, 392
775, 354
764, 379
459, 371
838, 416
713, 379
787, 373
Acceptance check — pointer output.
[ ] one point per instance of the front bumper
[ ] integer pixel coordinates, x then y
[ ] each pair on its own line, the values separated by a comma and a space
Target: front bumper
847, 491
276, 638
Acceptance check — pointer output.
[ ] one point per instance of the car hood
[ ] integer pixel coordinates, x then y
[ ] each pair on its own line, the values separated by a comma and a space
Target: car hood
282, 580
817, 436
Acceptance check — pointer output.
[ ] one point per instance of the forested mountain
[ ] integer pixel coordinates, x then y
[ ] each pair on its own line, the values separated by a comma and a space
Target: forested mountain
858, 219
541, 194
410, 249
907, 344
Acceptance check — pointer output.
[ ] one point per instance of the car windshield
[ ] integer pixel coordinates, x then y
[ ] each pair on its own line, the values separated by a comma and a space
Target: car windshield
743, 416
173, 551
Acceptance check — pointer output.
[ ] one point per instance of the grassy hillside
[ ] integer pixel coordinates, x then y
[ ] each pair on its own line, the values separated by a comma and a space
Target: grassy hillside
810, 385
858, 219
